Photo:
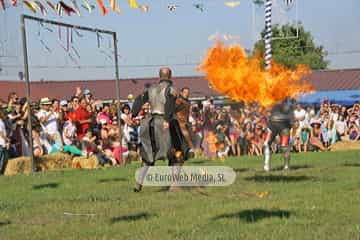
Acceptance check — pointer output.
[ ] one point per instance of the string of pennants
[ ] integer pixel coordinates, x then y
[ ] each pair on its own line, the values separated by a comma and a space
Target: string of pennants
60, 7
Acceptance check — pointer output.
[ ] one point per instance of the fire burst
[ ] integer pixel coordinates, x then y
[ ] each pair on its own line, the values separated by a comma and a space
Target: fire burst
230, 72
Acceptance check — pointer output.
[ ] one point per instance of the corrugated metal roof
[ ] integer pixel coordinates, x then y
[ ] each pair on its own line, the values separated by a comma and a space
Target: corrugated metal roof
329, 80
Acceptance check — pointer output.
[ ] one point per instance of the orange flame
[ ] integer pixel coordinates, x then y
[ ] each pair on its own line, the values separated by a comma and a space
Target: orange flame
230, 72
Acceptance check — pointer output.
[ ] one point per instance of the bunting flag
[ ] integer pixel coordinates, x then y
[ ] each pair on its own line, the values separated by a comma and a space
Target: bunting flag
3, 4
58, 9
30, 5
51, 5
76, 7
114, 6
88, 6
13, 2
41, 7
68, 10
145, 8
133, 4
232, 4
103, 9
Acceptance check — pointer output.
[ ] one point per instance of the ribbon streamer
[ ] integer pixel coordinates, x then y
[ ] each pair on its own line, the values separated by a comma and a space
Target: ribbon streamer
76, 7
45, 46
75, 51
78, 33
41, 7
12, 2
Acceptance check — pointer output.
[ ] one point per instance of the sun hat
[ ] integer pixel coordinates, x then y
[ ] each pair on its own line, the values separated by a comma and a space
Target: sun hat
45, 101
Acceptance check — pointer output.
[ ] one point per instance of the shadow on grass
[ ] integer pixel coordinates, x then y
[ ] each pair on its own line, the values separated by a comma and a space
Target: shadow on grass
5, 223
293, 167
255, 215
279, 178
351, 165
199, 161
240, 170
106, 180
194, 189
47, 185
130, 218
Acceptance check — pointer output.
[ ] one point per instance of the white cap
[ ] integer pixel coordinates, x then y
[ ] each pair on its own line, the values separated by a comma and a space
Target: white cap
63, 102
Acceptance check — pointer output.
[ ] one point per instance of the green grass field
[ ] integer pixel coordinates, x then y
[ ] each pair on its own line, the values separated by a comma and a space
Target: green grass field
318, 199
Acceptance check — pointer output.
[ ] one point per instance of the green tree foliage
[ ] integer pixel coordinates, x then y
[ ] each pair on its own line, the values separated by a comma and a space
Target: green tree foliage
290, 51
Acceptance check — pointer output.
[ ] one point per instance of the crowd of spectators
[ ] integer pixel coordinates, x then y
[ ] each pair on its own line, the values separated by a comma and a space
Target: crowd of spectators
83, 126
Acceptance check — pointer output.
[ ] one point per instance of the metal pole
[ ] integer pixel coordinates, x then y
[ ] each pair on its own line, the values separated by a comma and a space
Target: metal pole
268, 33
117, 86
26, 73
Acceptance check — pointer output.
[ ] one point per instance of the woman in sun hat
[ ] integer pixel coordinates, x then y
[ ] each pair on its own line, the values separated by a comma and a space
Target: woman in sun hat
316, 135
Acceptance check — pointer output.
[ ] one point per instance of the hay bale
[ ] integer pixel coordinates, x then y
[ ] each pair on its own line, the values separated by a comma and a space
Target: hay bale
53, 162
85, 163
345, 146
18, 165
132, 157
45, 163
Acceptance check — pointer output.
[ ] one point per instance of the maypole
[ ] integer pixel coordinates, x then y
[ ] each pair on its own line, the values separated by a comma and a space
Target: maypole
268, 34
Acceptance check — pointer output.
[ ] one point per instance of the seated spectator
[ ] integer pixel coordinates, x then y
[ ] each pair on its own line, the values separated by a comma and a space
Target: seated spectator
305, 136
354, 132
341, 128
38, 150
295, 136
316, 136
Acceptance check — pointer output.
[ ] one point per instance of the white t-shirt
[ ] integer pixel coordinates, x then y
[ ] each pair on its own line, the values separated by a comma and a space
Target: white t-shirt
3, 131
50, 126
340, 126
300, 114
70, 128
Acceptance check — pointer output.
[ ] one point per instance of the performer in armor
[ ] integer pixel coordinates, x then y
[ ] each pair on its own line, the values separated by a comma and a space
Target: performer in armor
160, 134
279, 123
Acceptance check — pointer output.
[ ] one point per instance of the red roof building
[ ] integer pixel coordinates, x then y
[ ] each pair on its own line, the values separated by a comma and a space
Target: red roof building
327, 80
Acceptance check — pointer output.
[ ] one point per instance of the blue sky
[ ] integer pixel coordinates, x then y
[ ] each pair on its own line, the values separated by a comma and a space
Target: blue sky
161, 37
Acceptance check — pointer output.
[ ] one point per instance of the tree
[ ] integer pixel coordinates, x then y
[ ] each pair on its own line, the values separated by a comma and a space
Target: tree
293, 51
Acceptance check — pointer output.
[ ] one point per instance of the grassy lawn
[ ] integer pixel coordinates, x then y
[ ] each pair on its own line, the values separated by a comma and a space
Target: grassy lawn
318, 199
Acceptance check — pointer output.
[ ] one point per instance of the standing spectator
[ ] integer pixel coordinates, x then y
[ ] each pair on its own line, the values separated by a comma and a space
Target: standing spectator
3, 143
104, 115
18, 118
83, 118
12, 98
130, 99
49, 125
74, 104
55, 107
300, 114
63, 113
